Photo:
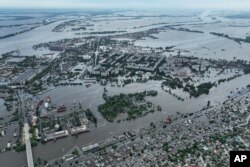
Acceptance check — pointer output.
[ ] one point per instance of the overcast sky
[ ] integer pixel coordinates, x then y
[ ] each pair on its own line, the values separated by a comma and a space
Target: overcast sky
232, 4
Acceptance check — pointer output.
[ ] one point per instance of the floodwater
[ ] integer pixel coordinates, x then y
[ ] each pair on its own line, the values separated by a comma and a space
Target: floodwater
3, 111
25, 41
91, 97
198, 44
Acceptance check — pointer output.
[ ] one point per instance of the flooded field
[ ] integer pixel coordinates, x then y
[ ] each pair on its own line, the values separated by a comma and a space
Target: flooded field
200, 45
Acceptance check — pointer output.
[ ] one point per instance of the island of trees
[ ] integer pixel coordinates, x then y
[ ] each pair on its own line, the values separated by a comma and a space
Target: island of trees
134, 105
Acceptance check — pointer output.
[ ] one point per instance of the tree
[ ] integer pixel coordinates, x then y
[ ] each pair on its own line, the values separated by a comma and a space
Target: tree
75, 152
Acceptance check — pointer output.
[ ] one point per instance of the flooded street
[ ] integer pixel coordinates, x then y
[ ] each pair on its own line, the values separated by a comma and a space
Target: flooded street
3, 111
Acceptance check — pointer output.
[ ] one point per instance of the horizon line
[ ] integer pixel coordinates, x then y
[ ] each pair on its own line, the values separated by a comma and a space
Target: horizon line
123, 8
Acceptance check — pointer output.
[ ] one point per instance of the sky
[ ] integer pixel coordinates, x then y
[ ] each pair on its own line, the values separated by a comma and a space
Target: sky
210, 4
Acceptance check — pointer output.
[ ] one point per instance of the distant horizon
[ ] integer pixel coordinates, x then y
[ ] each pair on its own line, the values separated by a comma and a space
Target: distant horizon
117, 8
129, 4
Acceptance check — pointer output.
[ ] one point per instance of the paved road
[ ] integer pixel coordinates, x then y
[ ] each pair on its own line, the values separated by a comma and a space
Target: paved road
28, 146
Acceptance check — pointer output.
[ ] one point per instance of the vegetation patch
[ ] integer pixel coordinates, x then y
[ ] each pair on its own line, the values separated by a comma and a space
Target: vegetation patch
173, 83
134, 105
201, 89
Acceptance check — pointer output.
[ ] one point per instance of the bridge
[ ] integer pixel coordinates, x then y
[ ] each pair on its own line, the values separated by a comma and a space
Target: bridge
28, 146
